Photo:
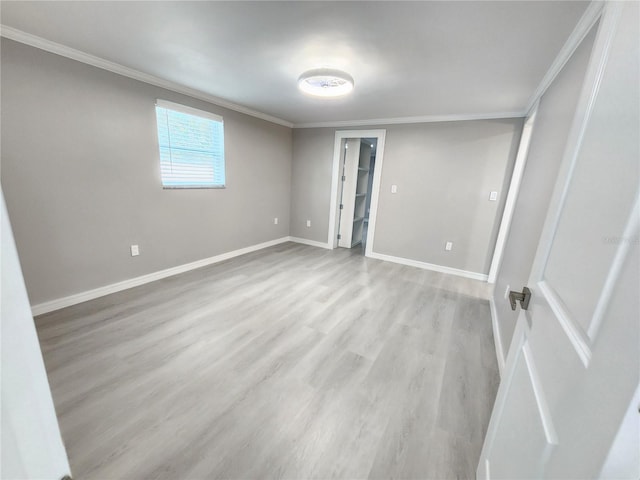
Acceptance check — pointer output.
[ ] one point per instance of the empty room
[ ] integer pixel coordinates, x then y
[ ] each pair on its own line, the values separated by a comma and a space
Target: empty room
320, 240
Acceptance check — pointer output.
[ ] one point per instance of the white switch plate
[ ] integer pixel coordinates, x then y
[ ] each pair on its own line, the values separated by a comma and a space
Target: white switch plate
493, 196
394, 188
135, 251
275, 221
448, 246
308, 223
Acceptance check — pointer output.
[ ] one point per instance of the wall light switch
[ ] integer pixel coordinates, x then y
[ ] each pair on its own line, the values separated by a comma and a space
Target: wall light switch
275, 221
493, 196
448, 246
394, 188
135, 251
308, 223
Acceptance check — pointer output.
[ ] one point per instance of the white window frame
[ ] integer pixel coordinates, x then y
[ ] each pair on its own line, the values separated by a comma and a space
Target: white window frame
197, 113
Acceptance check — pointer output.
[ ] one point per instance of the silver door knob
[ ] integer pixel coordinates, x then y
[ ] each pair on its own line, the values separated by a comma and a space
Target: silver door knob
522, 297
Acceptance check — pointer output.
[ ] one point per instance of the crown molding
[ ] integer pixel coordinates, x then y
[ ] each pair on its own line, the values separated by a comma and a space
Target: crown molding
584, 25
582, 28
406, 120
68, 52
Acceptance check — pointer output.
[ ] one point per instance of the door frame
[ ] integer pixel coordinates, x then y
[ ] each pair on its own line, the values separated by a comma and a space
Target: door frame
513, 193
380, 135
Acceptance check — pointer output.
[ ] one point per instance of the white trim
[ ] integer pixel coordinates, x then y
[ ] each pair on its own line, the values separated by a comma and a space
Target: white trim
487, 469
74, 299
455, 117
312, 243
429, 266
631, 231
178, 107
582, 28
332, 239
68, 52
497, 335
375, 192
512, 195
575, 334
588, 94
541, 398
520, 336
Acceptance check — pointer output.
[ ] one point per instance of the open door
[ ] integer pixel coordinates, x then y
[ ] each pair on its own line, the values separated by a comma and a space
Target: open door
571, 378
348, 215
31, 444
350, 188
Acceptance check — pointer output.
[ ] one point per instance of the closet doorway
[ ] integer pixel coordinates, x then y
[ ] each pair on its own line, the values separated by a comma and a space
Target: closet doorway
357, 167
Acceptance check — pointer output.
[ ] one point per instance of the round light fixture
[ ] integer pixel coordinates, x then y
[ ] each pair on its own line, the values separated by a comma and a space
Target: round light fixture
325, 82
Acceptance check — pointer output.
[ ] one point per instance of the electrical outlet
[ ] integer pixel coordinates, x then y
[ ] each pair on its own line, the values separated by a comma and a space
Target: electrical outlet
275, 221
308, 223
506, 292
135, 251
493, 196
394, 188
448, 246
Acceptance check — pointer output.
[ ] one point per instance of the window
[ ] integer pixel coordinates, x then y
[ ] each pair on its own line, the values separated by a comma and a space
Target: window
191, 147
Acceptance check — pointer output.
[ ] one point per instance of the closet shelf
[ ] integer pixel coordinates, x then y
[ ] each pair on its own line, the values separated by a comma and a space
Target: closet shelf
360, 169
361, 195
358, 219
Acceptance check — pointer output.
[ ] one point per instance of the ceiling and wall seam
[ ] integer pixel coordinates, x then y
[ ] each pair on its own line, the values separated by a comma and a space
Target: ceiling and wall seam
408, 120
585, 23
80, 56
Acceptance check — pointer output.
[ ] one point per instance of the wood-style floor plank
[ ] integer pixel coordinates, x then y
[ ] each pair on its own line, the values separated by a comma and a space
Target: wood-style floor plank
291, 362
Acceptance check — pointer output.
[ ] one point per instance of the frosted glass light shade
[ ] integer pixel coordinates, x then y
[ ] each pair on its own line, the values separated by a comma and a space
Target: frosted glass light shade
325, 82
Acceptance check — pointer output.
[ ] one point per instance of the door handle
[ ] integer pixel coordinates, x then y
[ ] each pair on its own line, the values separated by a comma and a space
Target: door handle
522, 297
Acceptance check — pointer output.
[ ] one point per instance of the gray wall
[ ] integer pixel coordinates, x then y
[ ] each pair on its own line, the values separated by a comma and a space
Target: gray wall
444, 172
81, 176
548, 141
311, 182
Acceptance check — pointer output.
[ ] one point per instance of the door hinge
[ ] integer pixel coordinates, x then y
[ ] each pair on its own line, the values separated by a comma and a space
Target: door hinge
339, 236
341, 206
344, 178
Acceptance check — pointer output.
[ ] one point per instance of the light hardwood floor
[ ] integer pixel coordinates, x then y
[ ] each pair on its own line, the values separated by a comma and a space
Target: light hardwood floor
291, 362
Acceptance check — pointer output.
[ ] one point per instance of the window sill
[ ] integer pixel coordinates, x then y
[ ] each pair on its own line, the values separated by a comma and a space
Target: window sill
194, 187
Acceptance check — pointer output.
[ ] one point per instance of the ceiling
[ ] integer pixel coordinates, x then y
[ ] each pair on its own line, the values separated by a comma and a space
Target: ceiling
408, 59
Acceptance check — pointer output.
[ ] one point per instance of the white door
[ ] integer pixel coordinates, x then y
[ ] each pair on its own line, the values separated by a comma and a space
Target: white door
349, 185
31, 446
574, 365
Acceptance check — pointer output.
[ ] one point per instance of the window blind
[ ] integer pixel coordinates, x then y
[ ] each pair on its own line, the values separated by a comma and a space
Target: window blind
191, 146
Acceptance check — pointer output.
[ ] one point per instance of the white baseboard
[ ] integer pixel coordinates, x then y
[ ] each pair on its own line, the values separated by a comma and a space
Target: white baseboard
430, 266
74, 299
313, 243
497, 336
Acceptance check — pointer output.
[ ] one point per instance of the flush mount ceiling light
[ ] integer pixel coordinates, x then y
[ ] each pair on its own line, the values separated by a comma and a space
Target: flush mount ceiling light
325, 82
